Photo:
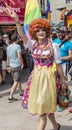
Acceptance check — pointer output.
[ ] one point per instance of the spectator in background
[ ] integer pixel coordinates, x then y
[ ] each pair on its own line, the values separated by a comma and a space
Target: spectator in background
6, 43
54, 35
1, 55
70, 28
65, 48
30, 59
70, 37
15, 64
70, 71
65, 51
24, 53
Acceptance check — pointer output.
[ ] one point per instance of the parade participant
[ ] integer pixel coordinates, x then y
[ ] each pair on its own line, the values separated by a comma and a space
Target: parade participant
6, 43
15, 64
70, 71
65, 51
42, 86
1, 56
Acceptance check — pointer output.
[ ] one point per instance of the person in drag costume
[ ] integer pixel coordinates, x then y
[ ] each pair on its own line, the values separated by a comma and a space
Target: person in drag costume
40, 92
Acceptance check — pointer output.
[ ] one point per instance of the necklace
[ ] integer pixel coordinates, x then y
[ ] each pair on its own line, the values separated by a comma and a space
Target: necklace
42, 46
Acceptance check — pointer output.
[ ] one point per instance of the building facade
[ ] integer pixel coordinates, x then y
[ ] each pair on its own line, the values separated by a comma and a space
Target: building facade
56, 7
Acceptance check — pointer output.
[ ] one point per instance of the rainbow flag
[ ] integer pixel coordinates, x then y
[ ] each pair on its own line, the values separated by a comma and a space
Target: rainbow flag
32, 12
48, 12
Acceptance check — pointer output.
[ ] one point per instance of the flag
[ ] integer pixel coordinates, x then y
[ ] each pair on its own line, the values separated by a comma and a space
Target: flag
48, 12
32, 12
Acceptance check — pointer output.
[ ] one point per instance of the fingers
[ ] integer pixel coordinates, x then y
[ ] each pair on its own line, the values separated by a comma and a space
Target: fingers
22, 67
7, 10
11, 12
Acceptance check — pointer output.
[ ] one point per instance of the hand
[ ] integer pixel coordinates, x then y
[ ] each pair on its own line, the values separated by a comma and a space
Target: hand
10, 12
22, 66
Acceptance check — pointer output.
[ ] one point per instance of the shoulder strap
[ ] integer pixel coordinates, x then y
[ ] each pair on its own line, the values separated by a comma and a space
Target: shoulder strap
63, 43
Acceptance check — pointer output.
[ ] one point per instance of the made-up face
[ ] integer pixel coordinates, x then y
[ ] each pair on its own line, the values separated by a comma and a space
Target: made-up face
41, 34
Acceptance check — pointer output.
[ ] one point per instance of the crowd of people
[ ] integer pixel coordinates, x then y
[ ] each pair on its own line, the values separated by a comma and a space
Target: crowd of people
47, 48
5, 41
12, 55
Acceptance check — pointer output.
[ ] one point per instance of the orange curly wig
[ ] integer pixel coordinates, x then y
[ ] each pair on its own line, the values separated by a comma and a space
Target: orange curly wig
40, 23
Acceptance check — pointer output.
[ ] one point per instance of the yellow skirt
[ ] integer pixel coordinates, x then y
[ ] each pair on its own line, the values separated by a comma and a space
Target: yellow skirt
42, 94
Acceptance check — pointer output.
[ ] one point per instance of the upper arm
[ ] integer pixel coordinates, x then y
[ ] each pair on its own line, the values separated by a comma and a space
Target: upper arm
19, 51
19, 55
21, 33
24, 38
70, 53
56, 53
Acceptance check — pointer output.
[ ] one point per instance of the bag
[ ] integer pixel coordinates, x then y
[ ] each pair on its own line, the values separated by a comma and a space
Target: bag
63, 97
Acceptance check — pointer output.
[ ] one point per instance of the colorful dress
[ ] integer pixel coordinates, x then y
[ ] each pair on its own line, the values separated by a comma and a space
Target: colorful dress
40, 93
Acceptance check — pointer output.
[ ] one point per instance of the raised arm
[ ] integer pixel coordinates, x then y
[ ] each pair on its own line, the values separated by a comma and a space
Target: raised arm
11, 13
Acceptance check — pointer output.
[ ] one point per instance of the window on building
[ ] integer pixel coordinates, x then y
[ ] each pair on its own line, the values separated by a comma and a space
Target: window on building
43, 4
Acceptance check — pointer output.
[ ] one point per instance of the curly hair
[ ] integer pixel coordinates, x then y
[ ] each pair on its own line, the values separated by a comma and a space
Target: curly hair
40, 23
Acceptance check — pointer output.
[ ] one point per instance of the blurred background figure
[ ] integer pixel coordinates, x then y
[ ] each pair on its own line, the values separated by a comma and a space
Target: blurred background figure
30, 60
70, 28
1, 56
6, 43
14, 64
54, 35
70, 63
65, 48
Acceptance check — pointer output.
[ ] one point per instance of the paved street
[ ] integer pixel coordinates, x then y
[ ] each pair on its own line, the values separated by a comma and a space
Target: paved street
13, 117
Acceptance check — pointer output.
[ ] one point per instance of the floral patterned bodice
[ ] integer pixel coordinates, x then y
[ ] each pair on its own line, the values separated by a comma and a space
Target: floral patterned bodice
43, 55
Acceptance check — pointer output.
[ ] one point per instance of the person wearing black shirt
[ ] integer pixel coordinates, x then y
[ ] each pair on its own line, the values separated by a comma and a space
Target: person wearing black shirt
1, 56
4, 67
